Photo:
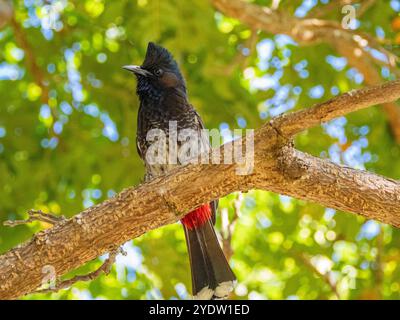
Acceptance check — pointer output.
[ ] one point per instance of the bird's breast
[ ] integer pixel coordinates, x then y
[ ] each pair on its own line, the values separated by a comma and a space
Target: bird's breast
169, 132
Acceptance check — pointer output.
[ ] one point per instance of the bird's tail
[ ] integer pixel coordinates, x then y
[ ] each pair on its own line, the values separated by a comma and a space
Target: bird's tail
212, 278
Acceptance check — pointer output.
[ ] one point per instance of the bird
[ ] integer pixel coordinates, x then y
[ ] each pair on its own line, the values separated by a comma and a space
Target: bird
161, 89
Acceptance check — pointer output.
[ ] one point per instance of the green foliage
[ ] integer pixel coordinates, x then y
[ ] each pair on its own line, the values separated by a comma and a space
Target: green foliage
78, 148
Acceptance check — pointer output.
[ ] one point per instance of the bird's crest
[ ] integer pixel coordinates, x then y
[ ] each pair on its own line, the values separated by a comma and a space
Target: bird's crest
157, 56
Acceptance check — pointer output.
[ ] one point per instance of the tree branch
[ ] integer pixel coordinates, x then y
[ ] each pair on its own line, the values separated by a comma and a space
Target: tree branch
293, 123
348, 43
321, 11
278, 167
30, 60
6, 12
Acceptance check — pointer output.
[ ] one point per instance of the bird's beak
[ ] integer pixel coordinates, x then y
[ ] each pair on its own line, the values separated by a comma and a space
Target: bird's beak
137, 70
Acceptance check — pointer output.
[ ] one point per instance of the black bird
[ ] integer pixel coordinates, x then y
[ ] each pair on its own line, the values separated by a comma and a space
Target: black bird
163, 98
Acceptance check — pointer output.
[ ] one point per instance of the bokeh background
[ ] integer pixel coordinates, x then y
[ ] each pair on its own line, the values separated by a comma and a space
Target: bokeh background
67, 140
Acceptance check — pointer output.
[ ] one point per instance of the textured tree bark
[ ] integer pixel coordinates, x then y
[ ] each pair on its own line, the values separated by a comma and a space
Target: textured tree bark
278, 167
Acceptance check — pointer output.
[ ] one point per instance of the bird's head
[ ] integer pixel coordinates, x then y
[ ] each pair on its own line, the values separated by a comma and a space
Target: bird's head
158, 71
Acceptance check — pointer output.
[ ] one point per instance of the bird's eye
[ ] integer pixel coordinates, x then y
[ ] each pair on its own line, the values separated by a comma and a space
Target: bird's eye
158, 72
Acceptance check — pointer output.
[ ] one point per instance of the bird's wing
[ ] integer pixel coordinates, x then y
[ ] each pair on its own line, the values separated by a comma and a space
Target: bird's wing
138, 148
214, 203
141, 132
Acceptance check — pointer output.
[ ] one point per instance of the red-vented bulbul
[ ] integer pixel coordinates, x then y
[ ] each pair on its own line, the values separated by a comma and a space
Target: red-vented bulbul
163, 98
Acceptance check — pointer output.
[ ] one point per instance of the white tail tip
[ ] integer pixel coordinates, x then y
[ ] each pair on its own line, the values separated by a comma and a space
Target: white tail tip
221, 292
223, 289
204, 294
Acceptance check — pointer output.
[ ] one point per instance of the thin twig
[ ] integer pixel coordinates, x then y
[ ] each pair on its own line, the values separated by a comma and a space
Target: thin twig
365, 5
104, 268
324, 276
35, 71
228, 226
36, 215
241, 60
379, 274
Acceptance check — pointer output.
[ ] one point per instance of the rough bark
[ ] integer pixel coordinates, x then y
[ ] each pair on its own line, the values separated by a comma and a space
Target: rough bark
278, 168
